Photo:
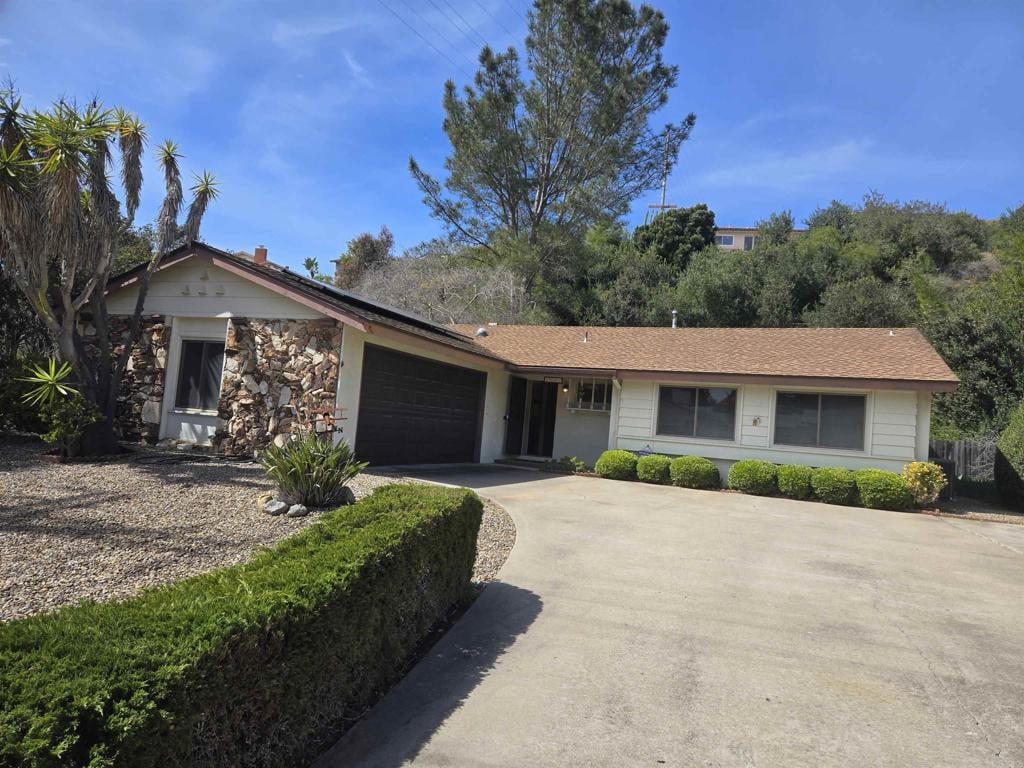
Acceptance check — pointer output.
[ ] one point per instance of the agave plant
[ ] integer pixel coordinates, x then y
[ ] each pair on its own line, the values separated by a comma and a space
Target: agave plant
49, 383
311, 471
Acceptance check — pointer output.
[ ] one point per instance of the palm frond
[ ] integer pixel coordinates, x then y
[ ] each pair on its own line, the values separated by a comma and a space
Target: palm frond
131, 137
203, 191
167, 221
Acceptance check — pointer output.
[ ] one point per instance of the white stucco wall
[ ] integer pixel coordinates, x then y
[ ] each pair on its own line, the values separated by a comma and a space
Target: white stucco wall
496, 393
195, 288
896, 429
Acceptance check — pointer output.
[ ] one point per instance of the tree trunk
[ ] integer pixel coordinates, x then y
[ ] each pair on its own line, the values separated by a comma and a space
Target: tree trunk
97, 439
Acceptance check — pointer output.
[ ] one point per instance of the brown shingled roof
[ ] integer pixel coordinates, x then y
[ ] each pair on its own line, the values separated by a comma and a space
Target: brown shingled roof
858, 354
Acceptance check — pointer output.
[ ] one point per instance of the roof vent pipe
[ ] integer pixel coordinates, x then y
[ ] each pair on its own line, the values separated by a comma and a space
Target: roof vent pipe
259, 255
675, 319
481, 331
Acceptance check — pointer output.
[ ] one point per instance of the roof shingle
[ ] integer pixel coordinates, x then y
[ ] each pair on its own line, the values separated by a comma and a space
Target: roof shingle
898, 354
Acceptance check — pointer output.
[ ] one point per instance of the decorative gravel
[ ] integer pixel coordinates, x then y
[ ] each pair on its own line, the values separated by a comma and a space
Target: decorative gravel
106, 530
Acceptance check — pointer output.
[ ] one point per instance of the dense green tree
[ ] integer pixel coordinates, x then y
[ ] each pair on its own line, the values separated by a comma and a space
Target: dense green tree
678, 233
534, 161
838, 215
777, 229
718, 289
867, 302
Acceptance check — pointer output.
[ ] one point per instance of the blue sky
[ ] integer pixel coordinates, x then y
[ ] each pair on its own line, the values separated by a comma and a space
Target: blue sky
308, 111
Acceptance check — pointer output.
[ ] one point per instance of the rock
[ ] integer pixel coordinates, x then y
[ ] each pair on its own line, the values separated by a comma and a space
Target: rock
285, 397
250, 383
275, 507
264, 387
297, 510
347, 496
151, 412
262, 500
280, 440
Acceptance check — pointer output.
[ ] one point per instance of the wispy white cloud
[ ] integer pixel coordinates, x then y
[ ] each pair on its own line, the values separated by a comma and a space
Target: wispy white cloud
297, 36
786, 170
357, 69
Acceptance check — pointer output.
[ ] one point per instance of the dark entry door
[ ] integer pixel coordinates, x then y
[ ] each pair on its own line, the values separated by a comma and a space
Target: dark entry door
417, 411
540, 436
515, 421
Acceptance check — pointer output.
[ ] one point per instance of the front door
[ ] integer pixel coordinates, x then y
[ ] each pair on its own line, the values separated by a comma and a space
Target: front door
542, 404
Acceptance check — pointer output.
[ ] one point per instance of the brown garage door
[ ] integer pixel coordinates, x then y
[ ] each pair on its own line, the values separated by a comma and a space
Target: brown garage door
417, 411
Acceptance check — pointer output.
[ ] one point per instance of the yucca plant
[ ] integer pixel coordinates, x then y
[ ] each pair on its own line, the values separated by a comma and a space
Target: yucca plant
311, 471
49, 383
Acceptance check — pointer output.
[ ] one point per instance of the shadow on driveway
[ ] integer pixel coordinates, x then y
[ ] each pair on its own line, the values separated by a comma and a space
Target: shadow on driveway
404, 721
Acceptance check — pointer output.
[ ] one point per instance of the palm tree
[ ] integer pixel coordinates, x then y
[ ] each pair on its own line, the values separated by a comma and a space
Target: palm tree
61, 222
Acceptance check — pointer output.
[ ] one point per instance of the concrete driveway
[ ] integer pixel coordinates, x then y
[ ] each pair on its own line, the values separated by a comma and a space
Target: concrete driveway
638, 625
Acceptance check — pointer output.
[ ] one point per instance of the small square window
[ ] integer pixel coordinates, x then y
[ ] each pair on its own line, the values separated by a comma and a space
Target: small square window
592, 395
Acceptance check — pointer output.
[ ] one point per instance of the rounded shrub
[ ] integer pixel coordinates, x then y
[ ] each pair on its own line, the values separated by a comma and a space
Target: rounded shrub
653, 469
694, 472
795, 481
1008, 469
879, 489
925, 479
753, 476
834, 485
616, 465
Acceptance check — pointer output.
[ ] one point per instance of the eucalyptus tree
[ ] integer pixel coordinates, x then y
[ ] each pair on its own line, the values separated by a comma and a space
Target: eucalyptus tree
532, 161
61, 224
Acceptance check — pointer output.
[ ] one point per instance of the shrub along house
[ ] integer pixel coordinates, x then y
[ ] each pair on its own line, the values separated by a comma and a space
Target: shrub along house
238, 352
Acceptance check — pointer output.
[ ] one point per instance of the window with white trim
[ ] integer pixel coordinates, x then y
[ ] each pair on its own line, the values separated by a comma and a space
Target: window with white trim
592, 395
708, 412
199, 374
820, 420
723, 239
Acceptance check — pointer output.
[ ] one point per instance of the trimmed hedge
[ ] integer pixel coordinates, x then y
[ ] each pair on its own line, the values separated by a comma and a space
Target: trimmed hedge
834, 485
694, 472
653, 469
795, 481
1008, 469
261, 663
616, 465
880, 489
752, 476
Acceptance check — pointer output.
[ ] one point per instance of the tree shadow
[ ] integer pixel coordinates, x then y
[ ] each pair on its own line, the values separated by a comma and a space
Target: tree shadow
402, 723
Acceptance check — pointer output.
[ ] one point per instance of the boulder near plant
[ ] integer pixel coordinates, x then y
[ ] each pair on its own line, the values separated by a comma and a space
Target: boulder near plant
880, 489
694, 472
795, 481
653, 469
753, 476
616, 465
834, 485
311, 471
1009, 462
925, 480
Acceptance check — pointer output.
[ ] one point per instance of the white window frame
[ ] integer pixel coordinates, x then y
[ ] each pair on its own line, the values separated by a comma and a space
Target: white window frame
175, 408
869, 408
573, 403
736, 417
724, 239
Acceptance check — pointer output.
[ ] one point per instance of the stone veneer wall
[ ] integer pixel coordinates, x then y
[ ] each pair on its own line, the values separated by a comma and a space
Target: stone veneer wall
280, 376
141, 395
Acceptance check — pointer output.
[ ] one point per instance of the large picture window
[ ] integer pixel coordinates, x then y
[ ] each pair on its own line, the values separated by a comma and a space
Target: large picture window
199, 375
697, 412
820, 420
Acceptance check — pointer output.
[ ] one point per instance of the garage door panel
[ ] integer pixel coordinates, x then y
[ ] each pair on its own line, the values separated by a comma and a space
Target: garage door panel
417, 411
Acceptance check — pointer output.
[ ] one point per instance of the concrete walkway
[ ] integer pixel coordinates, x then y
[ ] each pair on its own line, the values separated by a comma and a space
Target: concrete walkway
637, 625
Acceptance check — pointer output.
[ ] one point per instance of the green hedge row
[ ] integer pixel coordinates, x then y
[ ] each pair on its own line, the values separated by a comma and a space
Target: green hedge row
873, 488
258, 664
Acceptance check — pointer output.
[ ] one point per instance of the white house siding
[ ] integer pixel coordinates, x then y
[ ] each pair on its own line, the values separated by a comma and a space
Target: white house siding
198, 289
496, 392
896, 431
583, 434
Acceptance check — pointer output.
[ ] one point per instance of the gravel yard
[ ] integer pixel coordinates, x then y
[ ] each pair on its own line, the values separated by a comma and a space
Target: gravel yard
108, 529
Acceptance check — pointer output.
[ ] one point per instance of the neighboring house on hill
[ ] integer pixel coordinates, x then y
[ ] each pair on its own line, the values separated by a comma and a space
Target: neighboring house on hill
740, 238
238, 353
